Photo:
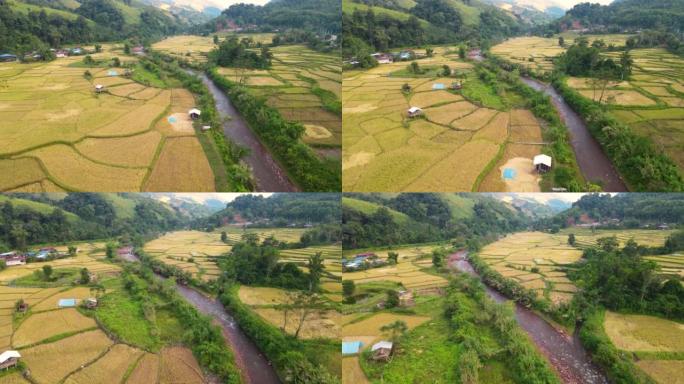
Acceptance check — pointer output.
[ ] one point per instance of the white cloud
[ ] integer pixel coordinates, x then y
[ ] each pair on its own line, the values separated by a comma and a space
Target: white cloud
202, 197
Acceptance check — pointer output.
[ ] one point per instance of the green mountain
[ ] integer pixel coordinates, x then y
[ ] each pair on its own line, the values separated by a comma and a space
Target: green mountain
28, 25
370, 220
278, 210
625, 15
27, 219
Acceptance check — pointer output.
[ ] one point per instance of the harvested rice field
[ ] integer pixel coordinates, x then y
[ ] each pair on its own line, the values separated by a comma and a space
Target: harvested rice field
191, 251
538, 52
408, 271
457, 144
59, 134
648, 334
287, 86
515, 255
651, 102
587, 237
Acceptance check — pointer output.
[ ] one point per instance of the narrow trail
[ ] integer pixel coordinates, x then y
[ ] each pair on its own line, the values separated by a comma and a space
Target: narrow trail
268, 175
592, 161
564, 352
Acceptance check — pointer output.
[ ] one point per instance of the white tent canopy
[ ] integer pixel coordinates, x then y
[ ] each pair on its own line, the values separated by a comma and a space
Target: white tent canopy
542, 159
8, 355
381, 345
194, 111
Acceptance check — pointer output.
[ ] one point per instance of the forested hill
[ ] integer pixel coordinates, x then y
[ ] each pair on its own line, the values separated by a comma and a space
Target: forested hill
380, 219
383, 24
28, 25
629, 209
316, 16
27, 219
626, 15
278, 210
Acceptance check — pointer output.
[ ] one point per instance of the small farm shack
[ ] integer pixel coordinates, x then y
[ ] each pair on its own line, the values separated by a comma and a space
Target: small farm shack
542, 163
9, 359
194, 113
21, 306
91, 303
406, 299
456, 85
99, 88
414, 111
382, 350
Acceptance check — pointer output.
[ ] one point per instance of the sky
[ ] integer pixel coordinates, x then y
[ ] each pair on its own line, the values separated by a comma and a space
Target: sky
565, 4
225, 197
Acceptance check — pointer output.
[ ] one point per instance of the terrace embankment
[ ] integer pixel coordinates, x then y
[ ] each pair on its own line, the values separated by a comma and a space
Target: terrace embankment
564, 352
592, 161
268, 174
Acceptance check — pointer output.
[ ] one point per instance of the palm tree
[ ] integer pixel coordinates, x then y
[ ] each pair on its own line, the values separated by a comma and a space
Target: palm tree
395, 329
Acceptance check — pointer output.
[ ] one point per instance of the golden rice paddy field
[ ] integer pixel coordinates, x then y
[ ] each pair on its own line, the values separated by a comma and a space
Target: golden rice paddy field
192, 251
651, 102
196, 252
457, 146
515, 255
195, 48
287, 85
265, 302
58, 134
408, 271
639, 333
538, 52
63, 345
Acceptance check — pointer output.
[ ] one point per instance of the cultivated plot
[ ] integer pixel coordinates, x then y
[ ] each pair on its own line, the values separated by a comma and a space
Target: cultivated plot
59, 134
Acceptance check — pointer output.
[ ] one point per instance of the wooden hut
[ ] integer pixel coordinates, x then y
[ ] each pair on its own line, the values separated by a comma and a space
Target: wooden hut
194, 113
542, 163
382, 351
414, 111
9, 359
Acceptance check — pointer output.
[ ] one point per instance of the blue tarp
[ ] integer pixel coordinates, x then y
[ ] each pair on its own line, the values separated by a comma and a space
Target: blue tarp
509, 174
438, 86
67, 302
172, 119
112, 72
351, 347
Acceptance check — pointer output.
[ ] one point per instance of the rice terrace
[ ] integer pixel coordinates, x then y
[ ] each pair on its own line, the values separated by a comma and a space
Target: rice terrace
468, 138
60, 134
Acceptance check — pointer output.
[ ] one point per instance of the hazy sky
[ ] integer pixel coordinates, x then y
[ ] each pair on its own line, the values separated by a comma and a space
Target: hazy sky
226, 197
566, 4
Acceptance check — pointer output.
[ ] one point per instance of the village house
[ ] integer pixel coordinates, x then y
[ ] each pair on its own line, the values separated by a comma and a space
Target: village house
542, 163
406, 55
9, 359
406, 299
383, 58
138, 50
194, 113
7, 57
61, 53
414, 111
91, 303
382, 350
77, 51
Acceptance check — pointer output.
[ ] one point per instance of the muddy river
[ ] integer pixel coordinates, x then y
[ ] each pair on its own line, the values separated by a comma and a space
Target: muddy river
592, 161
267, 173
565, 352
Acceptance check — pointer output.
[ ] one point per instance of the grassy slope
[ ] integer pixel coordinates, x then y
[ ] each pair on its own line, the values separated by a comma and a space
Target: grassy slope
124, 208
25, 8
370, 208
349, 7
471, 14
461, 208
36, 206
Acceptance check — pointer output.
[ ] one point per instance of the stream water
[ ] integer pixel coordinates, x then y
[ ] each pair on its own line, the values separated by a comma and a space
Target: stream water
592, 161
268, 175
563, 351
254, 366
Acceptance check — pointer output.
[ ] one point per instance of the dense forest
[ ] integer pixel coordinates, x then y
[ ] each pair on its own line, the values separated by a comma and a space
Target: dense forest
630, 209
428, 22
279, 210
424, 217
321, 16
37, 219
93, 20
